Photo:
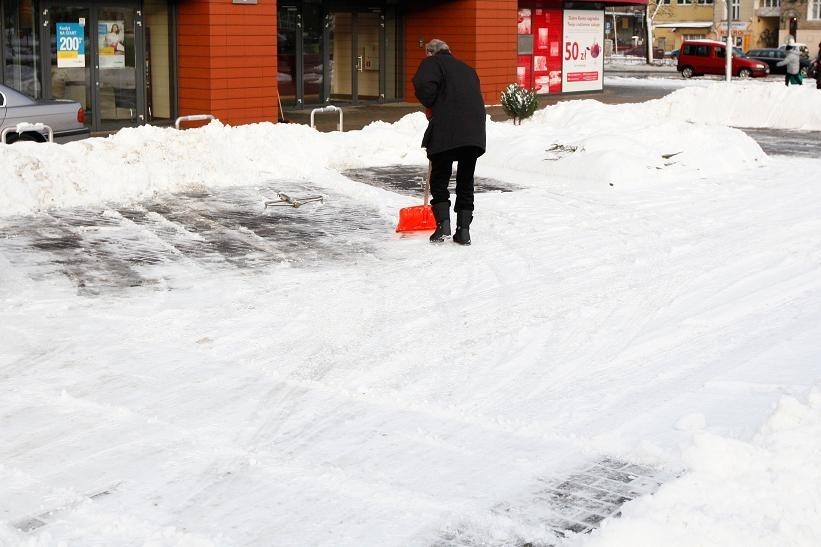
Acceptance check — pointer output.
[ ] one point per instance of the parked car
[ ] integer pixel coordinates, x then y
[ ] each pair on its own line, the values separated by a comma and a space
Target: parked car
641, 51
697, 57
772, 56
66, 118
803, 49
736, 51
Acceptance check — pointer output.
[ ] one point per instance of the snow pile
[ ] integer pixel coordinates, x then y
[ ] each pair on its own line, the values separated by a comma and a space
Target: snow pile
619, 145
391, 393
762, 492
630, 144
745, 104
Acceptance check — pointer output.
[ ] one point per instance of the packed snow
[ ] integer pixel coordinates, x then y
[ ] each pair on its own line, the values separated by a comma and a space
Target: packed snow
650, 292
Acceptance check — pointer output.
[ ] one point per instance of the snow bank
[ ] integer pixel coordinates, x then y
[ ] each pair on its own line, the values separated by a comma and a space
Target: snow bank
581, 140
764, 492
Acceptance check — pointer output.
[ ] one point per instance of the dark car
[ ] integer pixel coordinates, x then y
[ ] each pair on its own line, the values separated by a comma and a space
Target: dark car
65, 118
773, 55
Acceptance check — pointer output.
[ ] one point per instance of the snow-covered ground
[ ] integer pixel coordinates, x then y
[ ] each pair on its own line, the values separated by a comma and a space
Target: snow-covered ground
651, 293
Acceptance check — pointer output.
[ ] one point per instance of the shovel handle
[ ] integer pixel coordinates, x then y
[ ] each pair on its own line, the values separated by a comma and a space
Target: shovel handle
427, 182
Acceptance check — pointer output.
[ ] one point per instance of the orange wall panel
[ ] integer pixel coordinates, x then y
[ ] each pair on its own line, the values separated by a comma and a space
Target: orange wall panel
227, 60
481, 33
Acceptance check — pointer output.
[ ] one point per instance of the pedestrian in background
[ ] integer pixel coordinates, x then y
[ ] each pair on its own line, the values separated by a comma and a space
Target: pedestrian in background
450, 89
793, 62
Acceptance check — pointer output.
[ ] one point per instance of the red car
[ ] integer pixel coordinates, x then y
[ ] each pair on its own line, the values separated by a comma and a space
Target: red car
698, 57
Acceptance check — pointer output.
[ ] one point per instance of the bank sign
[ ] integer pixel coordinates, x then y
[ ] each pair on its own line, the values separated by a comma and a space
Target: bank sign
582, 54
71, 45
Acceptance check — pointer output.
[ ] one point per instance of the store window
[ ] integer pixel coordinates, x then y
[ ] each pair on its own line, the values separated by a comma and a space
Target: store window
21, 69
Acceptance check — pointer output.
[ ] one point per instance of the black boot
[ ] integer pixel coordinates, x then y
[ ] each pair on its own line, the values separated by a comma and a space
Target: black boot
462, 234
441, 212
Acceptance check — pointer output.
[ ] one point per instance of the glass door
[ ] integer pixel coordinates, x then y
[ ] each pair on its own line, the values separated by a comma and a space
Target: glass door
115, 64
95, 50
66, 43
288, 56
354, 53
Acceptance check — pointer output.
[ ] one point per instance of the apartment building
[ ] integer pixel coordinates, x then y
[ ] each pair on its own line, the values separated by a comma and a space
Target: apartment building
753, 23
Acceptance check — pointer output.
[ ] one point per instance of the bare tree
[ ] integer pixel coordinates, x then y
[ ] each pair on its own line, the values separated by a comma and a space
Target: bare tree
653, 8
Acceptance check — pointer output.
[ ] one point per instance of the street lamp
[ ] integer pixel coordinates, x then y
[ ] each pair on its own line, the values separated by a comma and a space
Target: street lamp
728, 67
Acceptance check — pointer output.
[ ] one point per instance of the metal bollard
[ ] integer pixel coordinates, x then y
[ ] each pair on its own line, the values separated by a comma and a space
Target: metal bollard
329, 108
23, 127
193, 118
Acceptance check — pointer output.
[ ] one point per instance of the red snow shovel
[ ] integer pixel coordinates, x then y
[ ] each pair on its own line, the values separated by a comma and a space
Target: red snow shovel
418, 217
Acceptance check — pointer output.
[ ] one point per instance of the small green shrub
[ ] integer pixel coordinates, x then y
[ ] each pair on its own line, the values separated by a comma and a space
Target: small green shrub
519, 103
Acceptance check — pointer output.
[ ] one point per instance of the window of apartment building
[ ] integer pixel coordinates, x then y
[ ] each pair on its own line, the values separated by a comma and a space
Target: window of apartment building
663, 2
736, 10
770, 3
684, 2
705, 2
695, 36
815, 9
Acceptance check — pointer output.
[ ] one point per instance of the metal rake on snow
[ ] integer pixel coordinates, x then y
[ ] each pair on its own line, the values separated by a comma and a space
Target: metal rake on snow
287, 201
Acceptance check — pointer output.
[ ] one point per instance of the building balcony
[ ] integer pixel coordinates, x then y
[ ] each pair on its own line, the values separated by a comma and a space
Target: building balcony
768, 12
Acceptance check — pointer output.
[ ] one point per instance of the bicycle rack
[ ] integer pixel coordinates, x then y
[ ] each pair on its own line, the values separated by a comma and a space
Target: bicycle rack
23, 127
329, 108
193, 118
287, 201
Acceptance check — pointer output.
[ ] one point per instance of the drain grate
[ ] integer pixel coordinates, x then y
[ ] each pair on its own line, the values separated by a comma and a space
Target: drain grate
34, 522
557, 507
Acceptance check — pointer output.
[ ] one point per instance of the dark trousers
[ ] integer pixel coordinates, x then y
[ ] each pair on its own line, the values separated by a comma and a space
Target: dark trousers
441, 169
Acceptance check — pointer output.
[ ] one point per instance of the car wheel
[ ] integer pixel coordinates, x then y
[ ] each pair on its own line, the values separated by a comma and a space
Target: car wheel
12, 138
744, 73
687, 72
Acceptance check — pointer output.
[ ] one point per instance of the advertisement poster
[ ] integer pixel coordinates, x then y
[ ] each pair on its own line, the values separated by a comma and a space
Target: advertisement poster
71, 46
523, 72
583, 62
111, 47
524, 21
547, 57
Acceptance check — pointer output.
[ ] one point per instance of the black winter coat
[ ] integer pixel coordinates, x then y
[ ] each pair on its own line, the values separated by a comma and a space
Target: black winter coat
451, 89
